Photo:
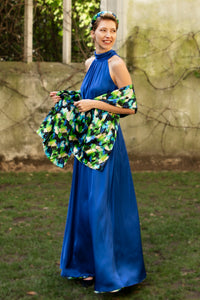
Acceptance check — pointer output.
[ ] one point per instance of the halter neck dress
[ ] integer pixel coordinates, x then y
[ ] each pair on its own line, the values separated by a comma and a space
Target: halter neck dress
102, 234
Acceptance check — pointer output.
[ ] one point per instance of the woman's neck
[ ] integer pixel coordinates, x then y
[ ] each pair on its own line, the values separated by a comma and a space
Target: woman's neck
100, 50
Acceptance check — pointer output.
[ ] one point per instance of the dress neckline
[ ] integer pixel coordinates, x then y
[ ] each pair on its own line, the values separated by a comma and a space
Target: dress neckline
105, 55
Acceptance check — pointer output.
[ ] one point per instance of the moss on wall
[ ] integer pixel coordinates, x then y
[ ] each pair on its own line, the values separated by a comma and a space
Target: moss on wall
165, 75
163, 55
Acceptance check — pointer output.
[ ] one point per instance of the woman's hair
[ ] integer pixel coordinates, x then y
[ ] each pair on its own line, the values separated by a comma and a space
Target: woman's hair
103, 15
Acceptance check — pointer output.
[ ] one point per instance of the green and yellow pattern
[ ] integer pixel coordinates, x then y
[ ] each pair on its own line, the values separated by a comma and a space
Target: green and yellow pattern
90, 135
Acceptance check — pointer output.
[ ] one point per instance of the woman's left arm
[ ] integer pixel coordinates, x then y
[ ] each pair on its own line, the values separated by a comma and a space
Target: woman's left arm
122, 78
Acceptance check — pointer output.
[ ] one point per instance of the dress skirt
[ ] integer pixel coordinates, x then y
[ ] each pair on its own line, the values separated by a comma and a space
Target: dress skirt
102, 235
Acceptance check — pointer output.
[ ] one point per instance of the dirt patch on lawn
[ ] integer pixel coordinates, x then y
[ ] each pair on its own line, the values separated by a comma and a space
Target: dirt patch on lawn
137, 163
159, 163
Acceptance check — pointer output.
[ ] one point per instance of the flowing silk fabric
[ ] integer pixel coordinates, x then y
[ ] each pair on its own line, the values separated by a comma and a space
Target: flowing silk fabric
102, 234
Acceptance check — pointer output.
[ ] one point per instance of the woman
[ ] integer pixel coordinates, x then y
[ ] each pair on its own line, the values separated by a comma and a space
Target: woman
102, 241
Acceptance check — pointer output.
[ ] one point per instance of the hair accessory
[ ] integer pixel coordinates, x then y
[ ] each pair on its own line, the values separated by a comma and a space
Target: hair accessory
99, 14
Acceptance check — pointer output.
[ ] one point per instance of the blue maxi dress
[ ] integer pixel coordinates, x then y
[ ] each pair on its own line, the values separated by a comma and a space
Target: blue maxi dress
102, 235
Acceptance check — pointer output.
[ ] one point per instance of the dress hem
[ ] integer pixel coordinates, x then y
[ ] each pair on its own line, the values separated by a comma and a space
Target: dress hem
108, 291
122, 287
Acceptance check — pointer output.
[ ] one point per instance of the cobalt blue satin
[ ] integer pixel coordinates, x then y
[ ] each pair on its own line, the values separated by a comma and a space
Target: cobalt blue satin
102, 235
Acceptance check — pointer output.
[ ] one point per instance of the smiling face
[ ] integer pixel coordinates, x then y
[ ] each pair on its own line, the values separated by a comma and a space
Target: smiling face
104, 36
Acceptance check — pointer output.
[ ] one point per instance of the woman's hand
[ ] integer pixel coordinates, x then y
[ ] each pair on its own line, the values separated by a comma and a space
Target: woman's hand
84, 105
55, 97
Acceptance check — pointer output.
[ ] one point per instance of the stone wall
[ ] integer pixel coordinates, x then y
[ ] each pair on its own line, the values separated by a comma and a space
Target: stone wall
162, 52
25, 101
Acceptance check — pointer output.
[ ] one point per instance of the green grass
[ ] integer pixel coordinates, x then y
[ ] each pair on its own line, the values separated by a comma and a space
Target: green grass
33, 211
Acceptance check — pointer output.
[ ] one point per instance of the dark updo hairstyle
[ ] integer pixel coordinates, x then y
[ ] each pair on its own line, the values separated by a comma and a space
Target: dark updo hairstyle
103, 15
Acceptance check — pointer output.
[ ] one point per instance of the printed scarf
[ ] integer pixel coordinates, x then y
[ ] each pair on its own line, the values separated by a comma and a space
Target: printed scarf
89, 136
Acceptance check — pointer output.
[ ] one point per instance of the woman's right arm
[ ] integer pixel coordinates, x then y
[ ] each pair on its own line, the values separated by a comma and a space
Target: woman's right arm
88, 63
54, 96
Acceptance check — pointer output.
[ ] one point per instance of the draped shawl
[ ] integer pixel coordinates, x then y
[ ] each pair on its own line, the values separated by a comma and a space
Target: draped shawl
89, 136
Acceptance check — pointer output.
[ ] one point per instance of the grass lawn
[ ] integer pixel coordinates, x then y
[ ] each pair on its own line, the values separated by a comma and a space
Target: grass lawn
33, 209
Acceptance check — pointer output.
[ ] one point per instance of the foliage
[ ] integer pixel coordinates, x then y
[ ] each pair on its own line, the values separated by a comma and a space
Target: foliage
11, 29
82, 12
33, 211
47, 29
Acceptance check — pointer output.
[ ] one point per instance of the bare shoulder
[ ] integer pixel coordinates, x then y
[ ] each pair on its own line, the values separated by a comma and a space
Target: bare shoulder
119, 71
88, 62
116, 61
